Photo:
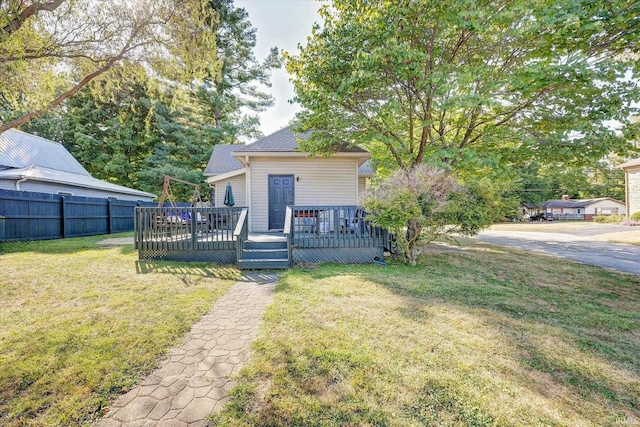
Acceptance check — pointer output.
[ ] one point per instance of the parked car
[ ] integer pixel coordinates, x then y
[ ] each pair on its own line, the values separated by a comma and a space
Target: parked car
544, 216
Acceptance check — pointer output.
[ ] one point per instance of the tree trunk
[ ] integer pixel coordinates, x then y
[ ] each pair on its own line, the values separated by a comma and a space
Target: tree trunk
413, 235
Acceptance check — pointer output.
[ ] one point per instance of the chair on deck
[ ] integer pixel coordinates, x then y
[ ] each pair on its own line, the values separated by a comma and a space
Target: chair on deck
354, 221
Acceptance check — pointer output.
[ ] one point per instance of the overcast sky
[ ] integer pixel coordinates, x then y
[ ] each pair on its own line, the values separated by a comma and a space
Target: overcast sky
285, 24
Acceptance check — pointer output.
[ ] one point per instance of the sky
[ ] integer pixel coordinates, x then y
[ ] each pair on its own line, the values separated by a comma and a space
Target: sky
285, 24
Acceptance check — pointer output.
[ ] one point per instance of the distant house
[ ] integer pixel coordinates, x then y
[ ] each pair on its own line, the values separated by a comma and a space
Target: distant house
527, 209
31, 163
586, 209
272, 173
632, 185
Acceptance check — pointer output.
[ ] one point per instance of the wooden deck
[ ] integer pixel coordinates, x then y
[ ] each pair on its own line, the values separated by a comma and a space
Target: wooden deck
312, 234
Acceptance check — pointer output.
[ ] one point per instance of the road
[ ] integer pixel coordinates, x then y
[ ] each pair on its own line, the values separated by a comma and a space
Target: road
575, 244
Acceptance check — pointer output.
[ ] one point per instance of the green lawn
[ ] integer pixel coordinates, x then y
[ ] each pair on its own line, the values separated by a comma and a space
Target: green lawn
482, 336
80, 323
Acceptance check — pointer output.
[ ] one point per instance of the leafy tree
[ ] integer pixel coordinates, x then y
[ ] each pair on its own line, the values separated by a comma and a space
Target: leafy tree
470, 84
478, 87
538, 183
51, 50
425, 202
133, 125
233, 94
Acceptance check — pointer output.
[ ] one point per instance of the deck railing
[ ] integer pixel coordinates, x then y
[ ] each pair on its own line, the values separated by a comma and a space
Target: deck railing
241, 233
288, 232
182, 229
335, 226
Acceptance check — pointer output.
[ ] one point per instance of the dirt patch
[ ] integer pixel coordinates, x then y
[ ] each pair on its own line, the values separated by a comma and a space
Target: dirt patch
116, 241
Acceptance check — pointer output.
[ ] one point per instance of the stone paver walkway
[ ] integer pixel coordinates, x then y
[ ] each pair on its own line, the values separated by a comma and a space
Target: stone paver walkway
193, 381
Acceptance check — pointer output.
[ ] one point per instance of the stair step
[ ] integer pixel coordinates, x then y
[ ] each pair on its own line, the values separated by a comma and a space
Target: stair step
265, 245
263, 264
265, 254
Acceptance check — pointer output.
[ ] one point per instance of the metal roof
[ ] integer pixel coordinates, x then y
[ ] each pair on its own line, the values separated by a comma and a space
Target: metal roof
286, 141
19, 149
36, 173
221, 160
23, 155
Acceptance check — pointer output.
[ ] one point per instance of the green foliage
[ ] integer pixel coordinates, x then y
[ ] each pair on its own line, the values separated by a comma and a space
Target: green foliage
48, 57
635, 216
470, 84
541, 182
426, 202
609, 219
134, 125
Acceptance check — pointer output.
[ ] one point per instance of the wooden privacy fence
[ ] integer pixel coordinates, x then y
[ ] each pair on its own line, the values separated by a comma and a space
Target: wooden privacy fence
26, 215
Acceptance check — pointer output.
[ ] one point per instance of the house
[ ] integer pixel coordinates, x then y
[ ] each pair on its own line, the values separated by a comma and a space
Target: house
290, 207
272, 173
527, 209
632, 185
585, 209
31, 163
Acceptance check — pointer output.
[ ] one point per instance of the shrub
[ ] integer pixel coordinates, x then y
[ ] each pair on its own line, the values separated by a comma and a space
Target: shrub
635, 216
609, 219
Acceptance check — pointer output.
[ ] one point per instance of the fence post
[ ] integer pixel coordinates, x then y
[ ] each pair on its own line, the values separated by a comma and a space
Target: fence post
63, 217
109, 224
194, 228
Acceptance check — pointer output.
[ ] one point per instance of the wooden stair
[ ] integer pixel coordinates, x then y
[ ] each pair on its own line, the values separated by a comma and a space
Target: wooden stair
267, 254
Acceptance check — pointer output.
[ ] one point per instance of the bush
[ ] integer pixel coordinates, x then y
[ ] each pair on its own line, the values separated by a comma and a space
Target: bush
635, 216
609, 219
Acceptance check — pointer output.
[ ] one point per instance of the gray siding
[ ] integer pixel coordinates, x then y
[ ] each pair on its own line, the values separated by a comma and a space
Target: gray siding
7, 184
239, 187
323, 181
44, 187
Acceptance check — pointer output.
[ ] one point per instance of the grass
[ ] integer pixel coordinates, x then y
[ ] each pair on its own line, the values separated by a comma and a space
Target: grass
481, 336
81, 323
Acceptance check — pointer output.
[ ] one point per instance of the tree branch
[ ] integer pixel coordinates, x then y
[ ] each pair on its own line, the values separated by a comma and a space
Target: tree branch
27, 13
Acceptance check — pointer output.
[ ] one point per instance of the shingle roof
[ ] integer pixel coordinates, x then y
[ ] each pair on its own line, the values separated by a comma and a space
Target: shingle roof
365, 168
221, 160
573, 203
529, 205
630, 164
285, 140
19, 149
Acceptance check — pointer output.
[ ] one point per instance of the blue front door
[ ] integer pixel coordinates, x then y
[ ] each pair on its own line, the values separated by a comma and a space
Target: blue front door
281, 194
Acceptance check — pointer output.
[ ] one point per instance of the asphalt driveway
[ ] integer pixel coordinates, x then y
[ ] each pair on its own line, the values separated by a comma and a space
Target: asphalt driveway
574, 244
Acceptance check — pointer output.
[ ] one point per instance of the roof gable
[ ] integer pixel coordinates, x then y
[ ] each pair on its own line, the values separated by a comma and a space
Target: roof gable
285, 141
221, 160
19, 150
630, 164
